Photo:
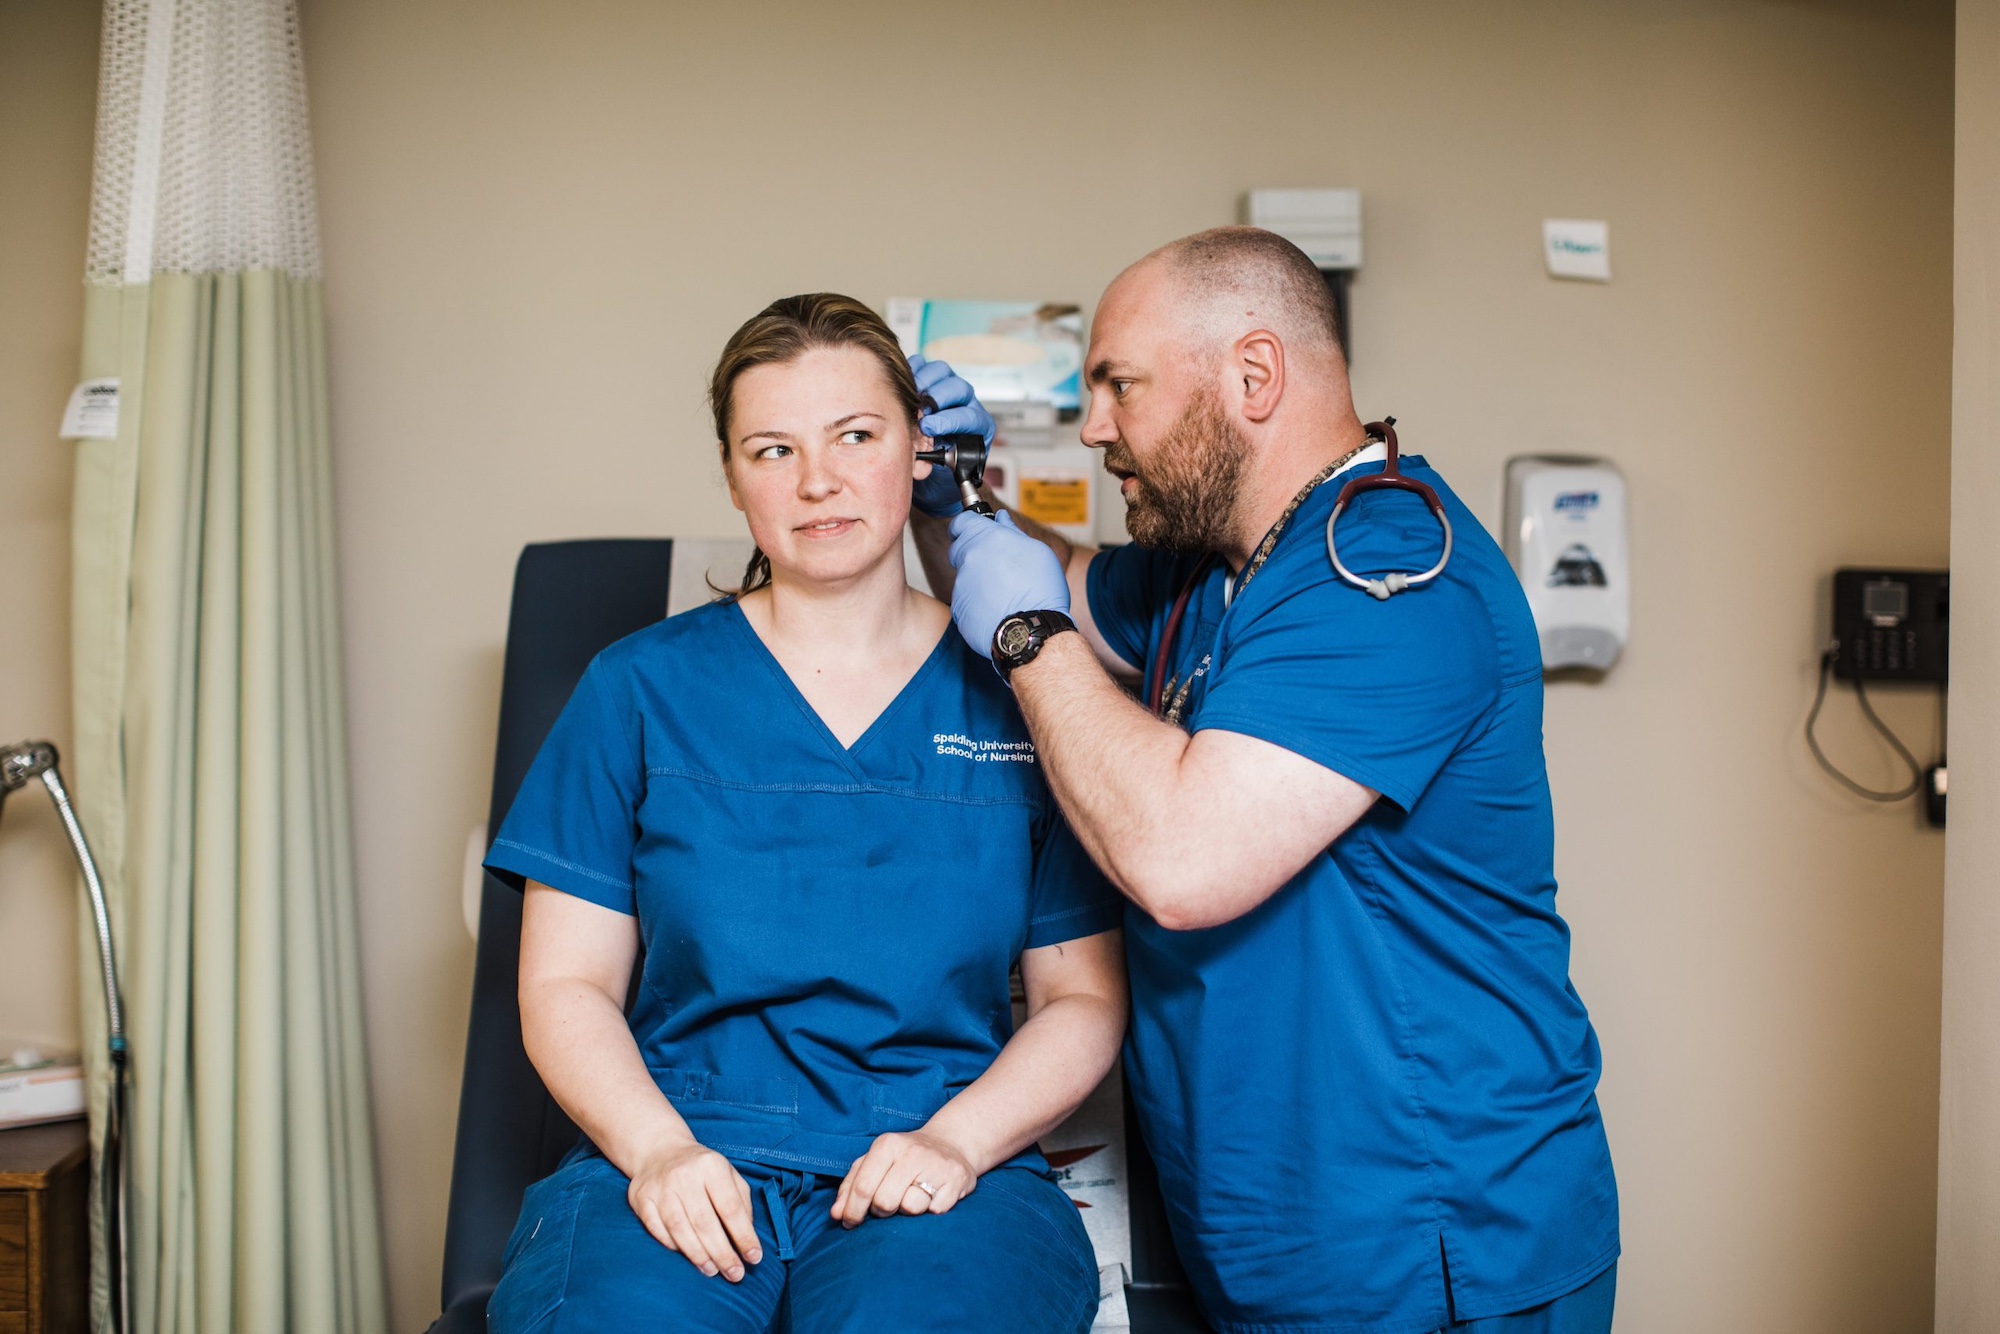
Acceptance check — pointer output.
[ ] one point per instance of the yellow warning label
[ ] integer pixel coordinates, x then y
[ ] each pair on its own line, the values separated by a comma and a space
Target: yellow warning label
1056, 499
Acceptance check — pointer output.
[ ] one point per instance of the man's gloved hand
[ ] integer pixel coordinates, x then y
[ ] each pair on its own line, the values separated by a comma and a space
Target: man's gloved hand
958, 413
1001, 570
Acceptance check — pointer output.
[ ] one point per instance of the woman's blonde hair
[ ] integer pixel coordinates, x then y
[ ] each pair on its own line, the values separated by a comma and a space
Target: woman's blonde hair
784, 331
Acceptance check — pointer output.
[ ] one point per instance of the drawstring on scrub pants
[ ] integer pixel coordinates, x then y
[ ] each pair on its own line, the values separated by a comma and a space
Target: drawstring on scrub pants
781, 1218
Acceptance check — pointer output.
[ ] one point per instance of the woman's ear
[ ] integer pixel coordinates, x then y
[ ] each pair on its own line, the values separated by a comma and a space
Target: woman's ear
918, 440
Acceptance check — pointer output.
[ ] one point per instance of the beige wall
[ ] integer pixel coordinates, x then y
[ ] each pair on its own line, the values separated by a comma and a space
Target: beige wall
542, 220
1968, 1238
48, 95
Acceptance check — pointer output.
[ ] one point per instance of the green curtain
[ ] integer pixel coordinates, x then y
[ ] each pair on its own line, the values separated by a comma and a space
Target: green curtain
211, 771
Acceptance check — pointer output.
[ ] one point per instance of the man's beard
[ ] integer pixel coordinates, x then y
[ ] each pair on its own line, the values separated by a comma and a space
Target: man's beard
1184, 498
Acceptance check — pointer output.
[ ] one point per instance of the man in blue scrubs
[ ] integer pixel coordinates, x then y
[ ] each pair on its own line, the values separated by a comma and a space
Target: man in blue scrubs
1357, 1056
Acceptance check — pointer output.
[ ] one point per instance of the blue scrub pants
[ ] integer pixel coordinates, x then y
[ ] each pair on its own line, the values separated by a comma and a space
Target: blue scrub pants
1012, 1256
1586, 1310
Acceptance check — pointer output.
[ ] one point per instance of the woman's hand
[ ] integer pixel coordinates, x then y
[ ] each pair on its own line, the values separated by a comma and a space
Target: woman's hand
694, 1202
884, 1180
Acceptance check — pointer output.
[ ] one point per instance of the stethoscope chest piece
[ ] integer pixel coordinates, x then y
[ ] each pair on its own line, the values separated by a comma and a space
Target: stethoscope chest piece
1389, 479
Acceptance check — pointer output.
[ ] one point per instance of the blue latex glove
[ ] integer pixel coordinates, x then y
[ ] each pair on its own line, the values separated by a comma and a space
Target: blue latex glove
1001, 570
958, 413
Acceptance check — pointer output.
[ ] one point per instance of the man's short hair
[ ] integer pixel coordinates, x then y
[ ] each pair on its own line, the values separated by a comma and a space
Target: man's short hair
1249, 269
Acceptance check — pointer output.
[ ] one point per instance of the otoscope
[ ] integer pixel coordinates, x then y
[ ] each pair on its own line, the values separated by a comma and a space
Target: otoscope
965, 455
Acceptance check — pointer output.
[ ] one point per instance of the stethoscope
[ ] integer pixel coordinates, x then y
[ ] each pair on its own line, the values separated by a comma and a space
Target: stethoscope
1389, 479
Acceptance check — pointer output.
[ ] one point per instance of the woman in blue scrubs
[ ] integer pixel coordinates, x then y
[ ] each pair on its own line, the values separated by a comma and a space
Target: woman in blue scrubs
818, 817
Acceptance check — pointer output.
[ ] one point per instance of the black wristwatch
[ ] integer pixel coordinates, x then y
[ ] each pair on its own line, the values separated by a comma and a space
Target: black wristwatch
1021, 636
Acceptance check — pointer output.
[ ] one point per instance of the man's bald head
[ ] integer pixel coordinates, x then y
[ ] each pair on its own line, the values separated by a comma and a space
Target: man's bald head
1216, 386
1229, 280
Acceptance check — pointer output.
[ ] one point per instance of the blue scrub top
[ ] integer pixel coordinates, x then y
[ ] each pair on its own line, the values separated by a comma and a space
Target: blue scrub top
1378, 1086
828, 930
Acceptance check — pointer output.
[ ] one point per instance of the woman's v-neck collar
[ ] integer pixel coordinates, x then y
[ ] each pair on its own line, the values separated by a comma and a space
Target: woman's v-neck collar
879, 723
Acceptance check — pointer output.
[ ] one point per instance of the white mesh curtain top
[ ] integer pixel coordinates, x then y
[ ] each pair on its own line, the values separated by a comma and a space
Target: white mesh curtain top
203, 158
210, 736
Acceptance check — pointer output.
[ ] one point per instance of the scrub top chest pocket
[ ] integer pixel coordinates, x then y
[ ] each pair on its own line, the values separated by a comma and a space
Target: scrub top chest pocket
828, 929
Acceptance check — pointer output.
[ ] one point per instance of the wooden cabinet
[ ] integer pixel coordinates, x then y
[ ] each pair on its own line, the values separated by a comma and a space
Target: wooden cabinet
45, 1229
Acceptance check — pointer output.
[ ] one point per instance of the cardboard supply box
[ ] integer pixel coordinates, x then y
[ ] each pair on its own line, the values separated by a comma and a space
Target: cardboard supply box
1087, 1154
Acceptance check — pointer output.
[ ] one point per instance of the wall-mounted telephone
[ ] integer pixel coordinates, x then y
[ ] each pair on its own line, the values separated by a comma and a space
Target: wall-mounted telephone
1892, 625
1888, 625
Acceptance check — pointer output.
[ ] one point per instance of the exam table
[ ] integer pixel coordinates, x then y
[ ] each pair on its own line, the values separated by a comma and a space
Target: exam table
572, 599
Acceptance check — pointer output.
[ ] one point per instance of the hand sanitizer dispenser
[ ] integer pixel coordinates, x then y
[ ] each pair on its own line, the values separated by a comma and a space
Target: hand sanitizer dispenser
1564, 526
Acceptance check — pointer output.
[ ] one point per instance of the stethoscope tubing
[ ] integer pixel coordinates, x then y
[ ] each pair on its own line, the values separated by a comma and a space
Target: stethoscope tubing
1156, 678
1389, 584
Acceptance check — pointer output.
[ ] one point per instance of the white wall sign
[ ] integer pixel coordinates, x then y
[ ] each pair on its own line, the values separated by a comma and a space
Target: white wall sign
1577, 248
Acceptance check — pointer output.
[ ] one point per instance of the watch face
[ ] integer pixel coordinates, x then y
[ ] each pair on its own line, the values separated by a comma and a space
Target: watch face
1015, 636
